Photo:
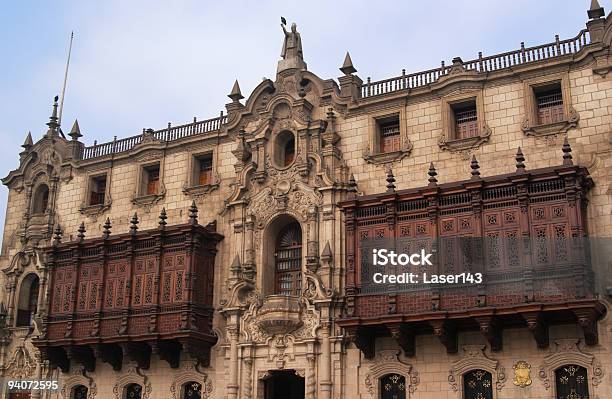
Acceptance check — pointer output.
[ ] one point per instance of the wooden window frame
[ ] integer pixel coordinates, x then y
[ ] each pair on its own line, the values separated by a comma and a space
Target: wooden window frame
192, 186
531, 125
449, 140
374, 152
92, 185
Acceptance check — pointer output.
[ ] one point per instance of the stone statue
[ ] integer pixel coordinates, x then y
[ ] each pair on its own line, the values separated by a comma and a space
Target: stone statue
292, 45
293, 57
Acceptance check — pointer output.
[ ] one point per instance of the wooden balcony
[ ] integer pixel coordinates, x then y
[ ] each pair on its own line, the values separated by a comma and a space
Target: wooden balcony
131, 295
524, 231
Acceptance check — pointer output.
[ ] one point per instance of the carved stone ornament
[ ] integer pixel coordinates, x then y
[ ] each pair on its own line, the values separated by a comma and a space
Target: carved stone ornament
475, 358
388, 362
567, 351
78, 376
267, 203
191, 372
383, 158
21, 365
93, 211
522, 374
147, 201
198, 193
458, 145
133, 375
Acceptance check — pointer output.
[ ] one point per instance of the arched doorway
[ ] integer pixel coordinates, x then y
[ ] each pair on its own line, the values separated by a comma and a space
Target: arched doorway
284, 384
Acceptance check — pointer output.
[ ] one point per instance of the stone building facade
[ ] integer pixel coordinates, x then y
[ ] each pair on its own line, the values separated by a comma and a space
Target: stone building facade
219, 259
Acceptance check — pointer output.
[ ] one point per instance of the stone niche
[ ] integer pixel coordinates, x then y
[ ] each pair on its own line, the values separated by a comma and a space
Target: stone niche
279, 314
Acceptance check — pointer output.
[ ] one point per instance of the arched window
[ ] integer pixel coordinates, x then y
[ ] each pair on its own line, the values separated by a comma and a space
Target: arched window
41, 199
192, 390
28, 300
79, 392
572, 382
393, 386
133, 391
284, 148
288, 260
477, 384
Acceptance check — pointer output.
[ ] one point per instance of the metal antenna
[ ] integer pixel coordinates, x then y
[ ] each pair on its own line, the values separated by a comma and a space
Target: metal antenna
61, 107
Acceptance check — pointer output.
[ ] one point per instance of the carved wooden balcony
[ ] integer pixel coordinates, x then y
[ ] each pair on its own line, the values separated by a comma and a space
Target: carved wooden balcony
131, 295
524, 231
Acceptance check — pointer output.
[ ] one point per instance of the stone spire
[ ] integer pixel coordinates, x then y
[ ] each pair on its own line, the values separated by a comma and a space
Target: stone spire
28, 143
53, 120
432, 176
596, 10
75, 132
475, 168
347, 67
235, 94
520, 161
567, 153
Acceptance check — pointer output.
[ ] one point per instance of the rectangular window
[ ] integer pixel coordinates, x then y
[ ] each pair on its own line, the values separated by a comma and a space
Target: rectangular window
549, 103
204, 166
97, 192
151, 180
389, 134
465, 119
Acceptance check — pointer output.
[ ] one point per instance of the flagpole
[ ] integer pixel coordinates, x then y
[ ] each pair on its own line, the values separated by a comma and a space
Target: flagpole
61, 108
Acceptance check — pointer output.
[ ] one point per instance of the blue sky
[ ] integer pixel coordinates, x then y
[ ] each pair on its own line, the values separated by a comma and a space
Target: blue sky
139, 64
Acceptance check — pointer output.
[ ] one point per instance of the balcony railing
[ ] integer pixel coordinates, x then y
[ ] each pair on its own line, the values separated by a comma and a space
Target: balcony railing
517, 242
524, 55
170, 133
131, 295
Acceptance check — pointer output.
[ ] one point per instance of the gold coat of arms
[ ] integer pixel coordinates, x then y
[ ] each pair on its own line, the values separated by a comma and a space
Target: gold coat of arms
522, 374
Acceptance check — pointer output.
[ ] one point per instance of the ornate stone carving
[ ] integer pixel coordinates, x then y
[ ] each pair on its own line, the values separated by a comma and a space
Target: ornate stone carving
191, 372
133, 375
567, 351
269, 202
78, 376
388, 362
475, 358
522, 374
21, 365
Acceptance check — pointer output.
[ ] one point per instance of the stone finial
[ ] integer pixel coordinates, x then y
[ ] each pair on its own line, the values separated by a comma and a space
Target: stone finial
520, 161
433, 181
326, 255
134, 224
352, 184
475, 168
53, 119
235, 94
347, 67
75, 131
162, 218
596, 10
236, 266
193, 214
28, 143
81, 232
106, 231
390, 181
57, 235
567, 153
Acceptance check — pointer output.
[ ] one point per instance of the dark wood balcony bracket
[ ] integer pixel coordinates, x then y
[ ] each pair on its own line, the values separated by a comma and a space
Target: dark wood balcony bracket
528, 237
128, 297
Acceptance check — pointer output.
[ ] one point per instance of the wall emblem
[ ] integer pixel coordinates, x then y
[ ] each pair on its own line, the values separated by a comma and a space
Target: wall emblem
522, 374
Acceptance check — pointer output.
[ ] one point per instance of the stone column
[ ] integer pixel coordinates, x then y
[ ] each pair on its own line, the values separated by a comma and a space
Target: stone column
10, 306
249, 260
232, 386
312, 241
325, 382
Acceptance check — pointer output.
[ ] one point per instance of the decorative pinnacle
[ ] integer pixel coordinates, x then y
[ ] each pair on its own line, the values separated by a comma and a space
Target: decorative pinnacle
596, 10
520, 160
352, 184
162, 218
81, 232
475, 168
193, 214
567, 153
235, 266
134, 224
75, 132
235, 94
432, 175
347, 66
106, 232
390, 181
28, 143
53, 119
57, 235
